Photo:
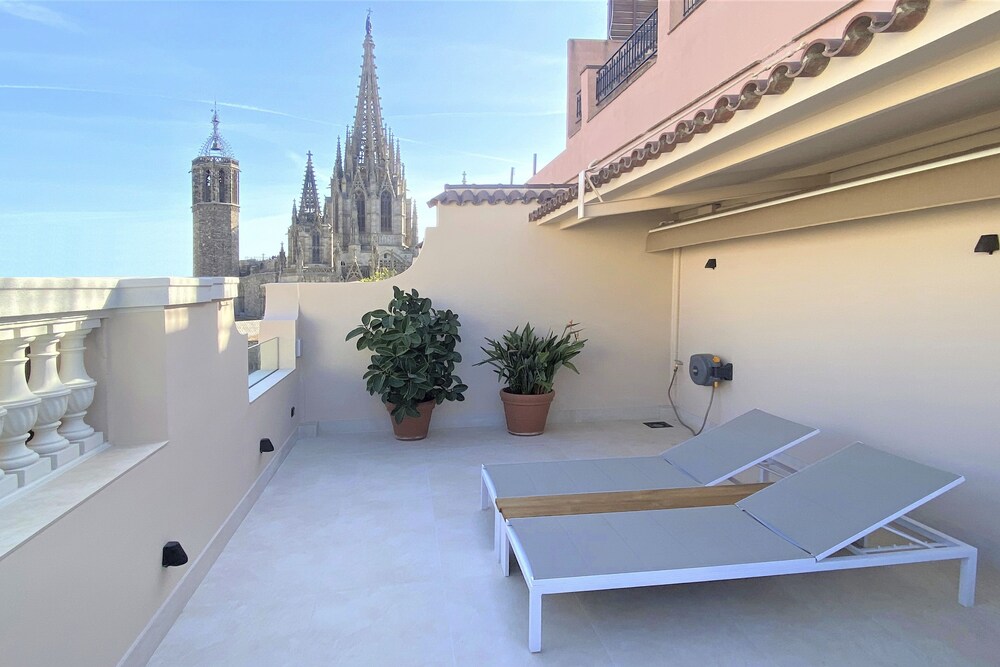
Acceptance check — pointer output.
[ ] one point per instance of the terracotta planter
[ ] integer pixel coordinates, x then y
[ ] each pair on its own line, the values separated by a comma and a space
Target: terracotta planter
526, 413
412, 428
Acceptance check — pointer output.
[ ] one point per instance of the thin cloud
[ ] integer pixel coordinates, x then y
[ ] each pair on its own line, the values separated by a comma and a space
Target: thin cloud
477, 114
35, 13
99, 91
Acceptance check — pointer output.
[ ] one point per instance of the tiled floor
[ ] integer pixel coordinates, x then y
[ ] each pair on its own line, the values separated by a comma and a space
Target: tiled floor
366, 551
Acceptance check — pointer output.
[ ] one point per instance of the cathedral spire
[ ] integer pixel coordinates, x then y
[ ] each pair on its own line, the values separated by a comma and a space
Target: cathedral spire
309, 202
338, 166
367, 141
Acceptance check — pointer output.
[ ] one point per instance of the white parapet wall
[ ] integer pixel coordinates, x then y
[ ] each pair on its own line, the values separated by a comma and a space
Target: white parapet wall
497, 271
164, 374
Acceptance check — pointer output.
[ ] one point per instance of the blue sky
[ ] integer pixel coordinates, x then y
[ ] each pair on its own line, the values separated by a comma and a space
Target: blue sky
104, 105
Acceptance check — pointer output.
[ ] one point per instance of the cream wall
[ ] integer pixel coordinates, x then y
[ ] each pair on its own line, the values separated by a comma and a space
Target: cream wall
885, 330
496, 270
81, 591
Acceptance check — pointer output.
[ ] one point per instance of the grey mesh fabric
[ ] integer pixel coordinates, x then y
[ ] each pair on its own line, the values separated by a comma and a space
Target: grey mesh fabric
740, 443
553, 478
833, 502
649, 541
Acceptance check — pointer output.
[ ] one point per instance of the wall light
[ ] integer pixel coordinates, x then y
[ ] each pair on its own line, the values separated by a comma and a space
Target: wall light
710, 264
988, 243
265, 445
174, 555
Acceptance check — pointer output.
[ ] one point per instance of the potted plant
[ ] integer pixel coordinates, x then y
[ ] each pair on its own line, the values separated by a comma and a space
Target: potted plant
527, 363
413, 361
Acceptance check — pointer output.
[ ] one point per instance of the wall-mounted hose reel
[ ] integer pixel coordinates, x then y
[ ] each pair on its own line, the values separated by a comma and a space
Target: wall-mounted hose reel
708, 369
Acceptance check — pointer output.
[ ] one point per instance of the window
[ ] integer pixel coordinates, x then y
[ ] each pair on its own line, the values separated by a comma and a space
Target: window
223, 193
359, 201
386, 212
206, 186
316, 248
236, 187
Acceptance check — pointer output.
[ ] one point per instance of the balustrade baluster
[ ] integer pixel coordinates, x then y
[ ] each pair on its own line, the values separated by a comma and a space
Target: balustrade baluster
46, 385
74, 375
22, 412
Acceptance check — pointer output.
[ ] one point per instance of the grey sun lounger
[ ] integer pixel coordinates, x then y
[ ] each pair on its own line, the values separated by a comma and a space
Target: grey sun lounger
811, 521
707, 459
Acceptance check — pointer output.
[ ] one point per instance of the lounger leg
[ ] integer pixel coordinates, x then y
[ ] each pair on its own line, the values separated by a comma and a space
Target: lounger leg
534, 621
504, 552
497, 533
967, 581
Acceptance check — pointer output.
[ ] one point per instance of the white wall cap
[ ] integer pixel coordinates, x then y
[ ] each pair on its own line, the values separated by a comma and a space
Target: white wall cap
39, 298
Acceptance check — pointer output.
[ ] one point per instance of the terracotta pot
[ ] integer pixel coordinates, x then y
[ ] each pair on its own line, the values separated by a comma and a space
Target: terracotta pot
412, 428
526, 413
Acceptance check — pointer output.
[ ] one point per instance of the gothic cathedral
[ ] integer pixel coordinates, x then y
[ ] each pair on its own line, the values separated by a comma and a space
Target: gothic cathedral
366, 223
365, 226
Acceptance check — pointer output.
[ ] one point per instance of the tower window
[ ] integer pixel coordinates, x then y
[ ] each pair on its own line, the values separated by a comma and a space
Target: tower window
360, 203
386, 212
315, 248
223, 194
206, 186
236, 187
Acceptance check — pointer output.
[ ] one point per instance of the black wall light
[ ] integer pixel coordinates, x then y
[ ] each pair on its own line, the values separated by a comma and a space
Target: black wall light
174, 555
265, 445
710, 264
988, 243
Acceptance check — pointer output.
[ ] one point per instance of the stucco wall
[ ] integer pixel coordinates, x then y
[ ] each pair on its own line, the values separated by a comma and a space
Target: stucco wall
81, 591
884, 330
496, 270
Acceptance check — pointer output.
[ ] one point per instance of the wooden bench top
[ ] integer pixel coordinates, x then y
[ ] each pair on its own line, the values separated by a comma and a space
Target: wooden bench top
624, 501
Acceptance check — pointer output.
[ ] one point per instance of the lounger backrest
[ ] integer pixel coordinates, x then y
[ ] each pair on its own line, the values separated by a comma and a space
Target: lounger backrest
716, 455
844, 497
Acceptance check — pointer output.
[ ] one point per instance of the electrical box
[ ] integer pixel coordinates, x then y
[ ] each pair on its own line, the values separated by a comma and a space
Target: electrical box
707, 369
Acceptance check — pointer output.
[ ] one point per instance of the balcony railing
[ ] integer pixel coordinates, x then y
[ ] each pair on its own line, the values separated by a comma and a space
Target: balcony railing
262, 360
579, 105
637, 49
691, 5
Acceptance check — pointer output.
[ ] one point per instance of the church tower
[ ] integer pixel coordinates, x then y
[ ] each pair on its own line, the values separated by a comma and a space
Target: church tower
370, 218
309, 234
215, 207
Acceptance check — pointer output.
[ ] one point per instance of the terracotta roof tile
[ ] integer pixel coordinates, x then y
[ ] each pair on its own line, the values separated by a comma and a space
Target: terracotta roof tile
496, 194
813, 59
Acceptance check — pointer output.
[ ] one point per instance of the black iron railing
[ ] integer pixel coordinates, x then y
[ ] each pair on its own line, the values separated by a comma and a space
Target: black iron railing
579, 105
691, 5
637, 49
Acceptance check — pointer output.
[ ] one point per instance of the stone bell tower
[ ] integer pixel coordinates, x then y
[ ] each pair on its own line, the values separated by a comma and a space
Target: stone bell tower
215, 207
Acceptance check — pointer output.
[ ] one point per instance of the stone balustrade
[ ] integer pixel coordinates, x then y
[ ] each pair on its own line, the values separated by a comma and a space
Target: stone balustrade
42, 417
46, 391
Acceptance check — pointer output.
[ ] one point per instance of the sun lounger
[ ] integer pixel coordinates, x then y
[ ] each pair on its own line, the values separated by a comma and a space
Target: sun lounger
811, 521
704, 460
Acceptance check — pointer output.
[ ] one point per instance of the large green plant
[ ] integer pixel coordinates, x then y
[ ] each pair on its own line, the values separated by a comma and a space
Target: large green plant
527, 362
414, 353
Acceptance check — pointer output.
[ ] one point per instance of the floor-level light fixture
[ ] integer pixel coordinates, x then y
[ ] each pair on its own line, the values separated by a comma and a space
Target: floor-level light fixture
988, 243
710, 264
174, 555
265, 445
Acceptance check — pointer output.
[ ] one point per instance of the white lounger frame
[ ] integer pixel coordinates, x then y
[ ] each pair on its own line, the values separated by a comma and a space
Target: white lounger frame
501, 548
929, 545
766, 465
